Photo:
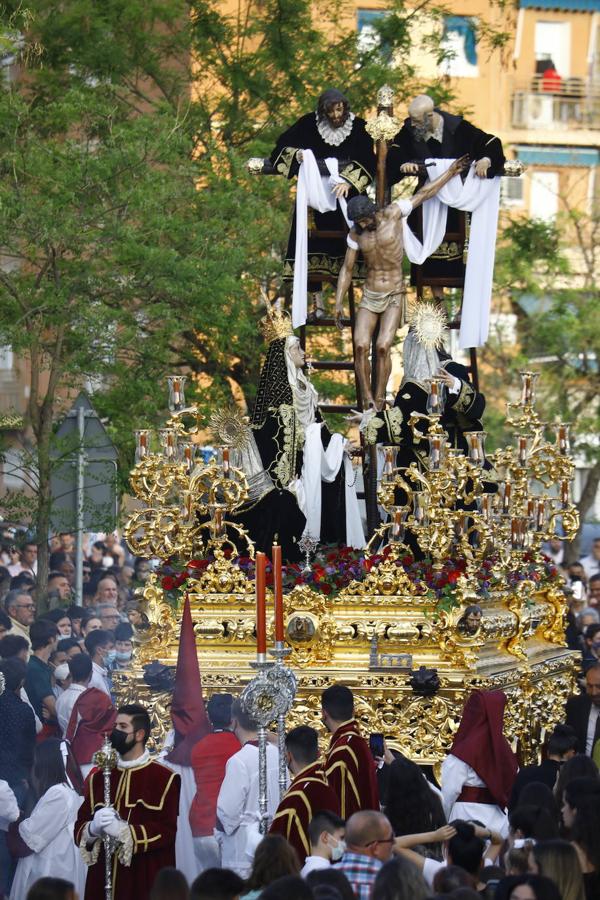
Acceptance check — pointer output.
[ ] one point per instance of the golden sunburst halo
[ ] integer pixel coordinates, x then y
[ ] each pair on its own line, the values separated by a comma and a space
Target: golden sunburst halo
230, 427
430, 324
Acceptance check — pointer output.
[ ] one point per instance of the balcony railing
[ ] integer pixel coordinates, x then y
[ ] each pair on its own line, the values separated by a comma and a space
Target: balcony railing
572, 103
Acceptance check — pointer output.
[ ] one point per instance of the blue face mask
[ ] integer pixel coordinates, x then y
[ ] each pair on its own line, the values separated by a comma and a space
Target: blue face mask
110, 657
123, 656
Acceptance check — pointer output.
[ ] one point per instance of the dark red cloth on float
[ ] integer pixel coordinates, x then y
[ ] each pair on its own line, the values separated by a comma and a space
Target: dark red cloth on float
480, 742
96, 715
308, 794
188, 712
147, 798
350, 770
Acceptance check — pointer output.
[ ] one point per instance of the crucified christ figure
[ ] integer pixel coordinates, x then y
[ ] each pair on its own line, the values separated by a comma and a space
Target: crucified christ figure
378, 233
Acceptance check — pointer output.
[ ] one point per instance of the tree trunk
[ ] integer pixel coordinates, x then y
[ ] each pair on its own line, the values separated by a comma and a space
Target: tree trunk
588, 495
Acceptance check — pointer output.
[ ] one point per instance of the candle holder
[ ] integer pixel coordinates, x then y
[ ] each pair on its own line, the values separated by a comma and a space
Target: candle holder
168, 441
435, 397
176, 385
522, 452
307, 545
142, 444
563, 442
476, 443
528, 388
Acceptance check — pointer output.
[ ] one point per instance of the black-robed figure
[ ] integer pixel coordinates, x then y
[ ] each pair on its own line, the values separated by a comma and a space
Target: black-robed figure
332, 130
432, 133
463, 410
285, 409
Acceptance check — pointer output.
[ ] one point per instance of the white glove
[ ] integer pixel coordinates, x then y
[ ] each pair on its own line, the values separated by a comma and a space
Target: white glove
455, 389
102, 817
114, 828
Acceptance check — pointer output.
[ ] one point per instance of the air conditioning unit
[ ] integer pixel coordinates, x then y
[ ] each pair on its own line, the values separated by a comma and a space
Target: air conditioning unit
539, 111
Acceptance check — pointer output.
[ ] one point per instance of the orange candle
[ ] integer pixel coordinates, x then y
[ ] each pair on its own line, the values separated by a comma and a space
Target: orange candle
278, 588
261, 605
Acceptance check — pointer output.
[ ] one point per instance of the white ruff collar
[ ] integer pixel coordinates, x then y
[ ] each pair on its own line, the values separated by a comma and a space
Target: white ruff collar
134, 763
335, 136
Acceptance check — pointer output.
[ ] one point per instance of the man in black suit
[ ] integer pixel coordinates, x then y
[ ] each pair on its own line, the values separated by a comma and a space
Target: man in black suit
583, 712
561, 746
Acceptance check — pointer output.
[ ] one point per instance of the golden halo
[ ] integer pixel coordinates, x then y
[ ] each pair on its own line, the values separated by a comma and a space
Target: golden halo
430, 324
230, 427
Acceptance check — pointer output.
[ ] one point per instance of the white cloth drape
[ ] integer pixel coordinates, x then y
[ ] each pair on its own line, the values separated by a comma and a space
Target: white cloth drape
481, 197
323, 465
313, 190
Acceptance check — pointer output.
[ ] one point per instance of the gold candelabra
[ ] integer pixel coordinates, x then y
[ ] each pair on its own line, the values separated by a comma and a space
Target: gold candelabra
453, 510
185, 500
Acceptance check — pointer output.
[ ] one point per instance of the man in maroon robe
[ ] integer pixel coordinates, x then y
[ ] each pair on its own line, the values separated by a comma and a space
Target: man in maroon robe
349, 765
308, 793
93, 715
142, 818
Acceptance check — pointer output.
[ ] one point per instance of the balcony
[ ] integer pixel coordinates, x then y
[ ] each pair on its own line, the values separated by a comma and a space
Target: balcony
574, 103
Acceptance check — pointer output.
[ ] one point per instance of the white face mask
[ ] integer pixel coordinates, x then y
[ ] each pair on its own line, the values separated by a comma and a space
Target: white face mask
61, 673
338, 850
66, 633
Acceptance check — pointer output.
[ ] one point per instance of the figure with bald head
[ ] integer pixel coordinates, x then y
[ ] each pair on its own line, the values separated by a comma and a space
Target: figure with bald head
432, 133
369, 844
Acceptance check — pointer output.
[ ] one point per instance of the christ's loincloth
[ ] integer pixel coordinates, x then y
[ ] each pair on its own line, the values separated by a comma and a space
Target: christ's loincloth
380, 301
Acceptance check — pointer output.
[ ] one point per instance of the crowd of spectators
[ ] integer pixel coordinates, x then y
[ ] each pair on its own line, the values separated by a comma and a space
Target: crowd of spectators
59, 659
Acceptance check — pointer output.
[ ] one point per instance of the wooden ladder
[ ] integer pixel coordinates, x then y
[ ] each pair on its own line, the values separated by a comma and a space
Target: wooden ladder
369, 454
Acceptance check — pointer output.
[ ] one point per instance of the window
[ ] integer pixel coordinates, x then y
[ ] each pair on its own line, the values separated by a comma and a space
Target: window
6, 359
543, 199
368, 38
460, 43
553, 45
511, 191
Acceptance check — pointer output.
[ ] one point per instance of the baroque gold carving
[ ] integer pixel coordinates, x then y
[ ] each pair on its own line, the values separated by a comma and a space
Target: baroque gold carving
310, 627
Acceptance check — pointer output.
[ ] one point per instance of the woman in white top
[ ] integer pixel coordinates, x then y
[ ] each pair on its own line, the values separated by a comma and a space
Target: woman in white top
48, 832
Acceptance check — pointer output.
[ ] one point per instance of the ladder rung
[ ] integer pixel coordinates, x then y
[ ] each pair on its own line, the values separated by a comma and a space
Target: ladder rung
327, 321
334, 408
332, 364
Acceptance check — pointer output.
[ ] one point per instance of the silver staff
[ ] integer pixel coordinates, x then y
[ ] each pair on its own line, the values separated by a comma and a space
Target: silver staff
265, 701
284, 683
106, 759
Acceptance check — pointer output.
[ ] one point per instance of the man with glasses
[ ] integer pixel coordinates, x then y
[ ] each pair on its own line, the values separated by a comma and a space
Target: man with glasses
109, 616
369, 844
142, 817
21, 612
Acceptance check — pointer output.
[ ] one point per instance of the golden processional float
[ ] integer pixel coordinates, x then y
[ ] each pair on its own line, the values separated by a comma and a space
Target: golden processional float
484, 609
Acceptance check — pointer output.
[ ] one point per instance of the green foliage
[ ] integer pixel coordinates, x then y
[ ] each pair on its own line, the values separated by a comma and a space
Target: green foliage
134, 239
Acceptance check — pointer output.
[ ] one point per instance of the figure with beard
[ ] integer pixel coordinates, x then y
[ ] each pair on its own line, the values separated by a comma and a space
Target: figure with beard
142, 818
431, 133
378, 234
297, 450
332, 130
